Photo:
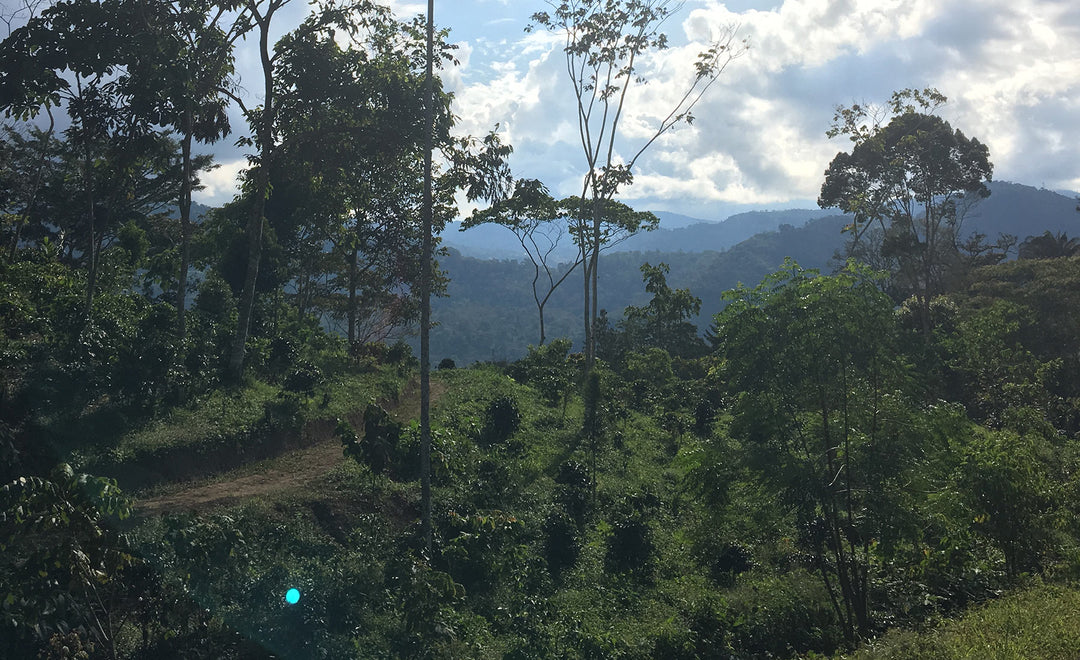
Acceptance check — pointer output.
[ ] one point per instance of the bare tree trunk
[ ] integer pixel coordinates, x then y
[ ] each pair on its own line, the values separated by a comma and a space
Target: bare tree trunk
185, 226
590, 356
586, 271
262, 177
425, 287
91, 240
351, 312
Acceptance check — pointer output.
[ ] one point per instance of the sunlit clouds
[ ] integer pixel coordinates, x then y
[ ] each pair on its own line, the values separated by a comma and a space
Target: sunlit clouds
1011, 70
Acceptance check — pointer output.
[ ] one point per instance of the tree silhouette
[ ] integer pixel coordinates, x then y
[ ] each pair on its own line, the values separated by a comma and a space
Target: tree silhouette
913, 178
605, 41
1049, 246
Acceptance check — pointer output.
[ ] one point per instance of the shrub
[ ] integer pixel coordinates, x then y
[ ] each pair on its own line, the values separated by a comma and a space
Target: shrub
447, 363
502, 418
572, 493
630, 547
562, 545
284, 412
302, 379
546, 368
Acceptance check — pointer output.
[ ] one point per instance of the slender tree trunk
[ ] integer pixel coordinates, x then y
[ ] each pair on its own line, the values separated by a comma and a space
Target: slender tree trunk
185, 226
91, 240
258, 206
425, 286
593, 277
586, 270
352, 293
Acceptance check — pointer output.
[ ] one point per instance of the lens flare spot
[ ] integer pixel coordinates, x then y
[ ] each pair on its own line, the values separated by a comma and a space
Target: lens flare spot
292, 596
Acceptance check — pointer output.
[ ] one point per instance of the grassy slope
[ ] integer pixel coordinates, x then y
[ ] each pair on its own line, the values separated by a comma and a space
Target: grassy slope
348, 533
1038, 623
228, 428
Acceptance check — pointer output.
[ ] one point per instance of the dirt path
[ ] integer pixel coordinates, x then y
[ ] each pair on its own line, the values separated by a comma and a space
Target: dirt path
290, 471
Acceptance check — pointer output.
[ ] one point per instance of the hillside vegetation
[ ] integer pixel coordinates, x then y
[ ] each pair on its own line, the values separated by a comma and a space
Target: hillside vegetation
215, 442
640, 512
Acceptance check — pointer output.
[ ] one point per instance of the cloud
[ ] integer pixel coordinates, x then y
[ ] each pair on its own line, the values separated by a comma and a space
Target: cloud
1010, 67
220, 183
1011, 70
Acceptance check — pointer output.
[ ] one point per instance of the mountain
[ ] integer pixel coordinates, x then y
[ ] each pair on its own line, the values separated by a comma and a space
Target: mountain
1023, 211
198, 211
676, 233
704, 236
490, 315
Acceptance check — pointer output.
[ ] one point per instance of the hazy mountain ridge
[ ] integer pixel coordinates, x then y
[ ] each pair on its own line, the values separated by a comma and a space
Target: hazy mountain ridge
1005, 211
677, 233
489, 312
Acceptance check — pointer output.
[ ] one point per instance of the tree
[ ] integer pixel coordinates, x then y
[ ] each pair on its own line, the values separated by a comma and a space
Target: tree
812, 366
913, 178
75, 55
605, 41
29, 160
483, 174
1049, 246
537, 221
350, 169
261, 120
665, 321
183, 64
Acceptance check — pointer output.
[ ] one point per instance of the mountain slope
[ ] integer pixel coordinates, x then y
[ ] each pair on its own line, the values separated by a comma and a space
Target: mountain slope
490, 314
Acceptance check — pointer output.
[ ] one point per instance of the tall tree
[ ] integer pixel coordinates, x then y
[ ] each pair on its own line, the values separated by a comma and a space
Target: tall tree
538, 222
79, 56
605, 41
425, 280
184, 62
913, 178
70, 56
351, 127
261, 120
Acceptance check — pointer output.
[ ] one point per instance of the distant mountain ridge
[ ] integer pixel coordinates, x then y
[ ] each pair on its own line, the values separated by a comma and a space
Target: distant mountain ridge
489, 313
677, 233
1007, 210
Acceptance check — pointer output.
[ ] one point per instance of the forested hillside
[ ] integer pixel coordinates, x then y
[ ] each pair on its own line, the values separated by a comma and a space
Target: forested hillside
489, 313
214, 442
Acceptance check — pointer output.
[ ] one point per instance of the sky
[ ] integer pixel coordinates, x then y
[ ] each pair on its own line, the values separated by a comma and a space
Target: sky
1010, 69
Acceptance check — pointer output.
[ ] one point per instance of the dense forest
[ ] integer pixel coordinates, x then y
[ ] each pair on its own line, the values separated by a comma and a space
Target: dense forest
212, 422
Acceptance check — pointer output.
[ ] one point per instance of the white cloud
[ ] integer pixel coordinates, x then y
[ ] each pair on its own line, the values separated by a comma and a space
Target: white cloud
1011, 69
220, 183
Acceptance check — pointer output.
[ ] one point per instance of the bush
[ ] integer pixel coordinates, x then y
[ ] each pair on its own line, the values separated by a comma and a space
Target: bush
573, 489
399, 353
562, 545
546, 368
284, 412
732, 560
302, 379
630, 546
502, 418
447, 363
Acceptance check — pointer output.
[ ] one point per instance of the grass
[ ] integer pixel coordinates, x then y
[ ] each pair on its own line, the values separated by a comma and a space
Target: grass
228, 429
223, 414
1038, 623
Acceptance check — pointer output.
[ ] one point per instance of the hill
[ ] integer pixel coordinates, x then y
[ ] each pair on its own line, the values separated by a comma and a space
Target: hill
489, 313
676, 233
